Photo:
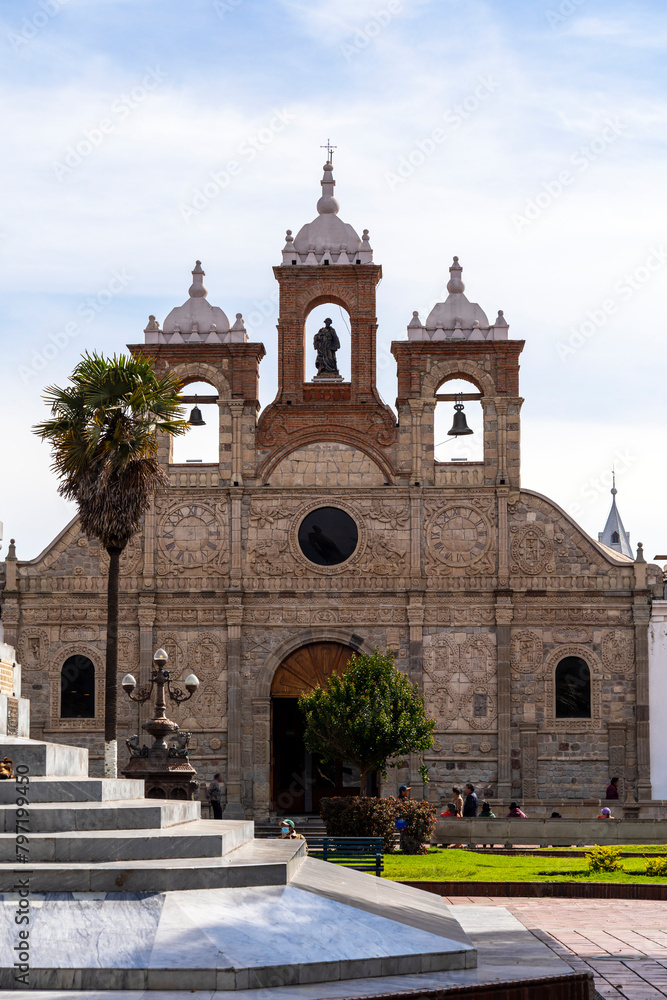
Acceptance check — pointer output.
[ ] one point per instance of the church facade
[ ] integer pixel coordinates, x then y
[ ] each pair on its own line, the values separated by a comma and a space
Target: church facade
327, 526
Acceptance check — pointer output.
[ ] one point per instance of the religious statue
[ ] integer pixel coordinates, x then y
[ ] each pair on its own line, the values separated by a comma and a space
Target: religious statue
326, 343
6, 769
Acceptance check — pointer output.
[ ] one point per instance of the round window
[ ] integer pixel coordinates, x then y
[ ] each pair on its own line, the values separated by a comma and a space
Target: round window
328, 536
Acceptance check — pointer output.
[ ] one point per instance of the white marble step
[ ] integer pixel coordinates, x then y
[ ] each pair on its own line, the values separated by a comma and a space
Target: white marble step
50, 759
205, 838
258, 863
72, 789
136, 814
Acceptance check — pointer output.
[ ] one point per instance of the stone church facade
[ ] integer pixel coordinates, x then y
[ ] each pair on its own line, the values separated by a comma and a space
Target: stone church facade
327, 526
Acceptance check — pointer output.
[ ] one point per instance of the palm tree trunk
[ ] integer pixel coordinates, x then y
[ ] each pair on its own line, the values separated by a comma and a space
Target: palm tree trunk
111, 667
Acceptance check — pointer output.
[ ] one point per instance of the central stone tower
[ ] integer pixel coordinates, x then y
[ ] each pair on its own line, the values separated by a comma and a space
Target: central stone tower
327, 262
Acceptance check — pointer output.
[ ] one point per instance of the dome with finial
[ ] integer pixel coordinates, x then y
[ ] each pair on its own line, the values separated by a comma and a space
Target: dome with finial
327, 239
457, 318
196, 321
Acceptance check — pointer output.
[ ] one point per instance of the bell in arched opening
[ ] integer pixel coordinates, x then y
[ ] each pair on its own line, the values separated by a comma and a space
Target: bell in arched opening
460, 425
196, 419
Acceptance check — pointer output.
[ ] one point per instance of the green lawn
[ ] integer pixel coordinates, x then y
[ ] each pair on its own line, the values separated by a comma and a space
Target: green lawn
444, 865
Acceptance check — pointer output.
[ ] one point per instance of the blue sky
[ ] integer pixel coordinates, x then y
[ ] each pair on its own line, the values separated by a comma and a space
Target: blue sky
527, 138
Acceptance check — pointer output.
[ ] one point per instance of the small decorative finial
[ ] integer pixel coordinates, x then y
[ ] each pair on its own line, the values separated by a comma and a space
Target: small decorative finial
288, 236
455, 285
327, 204
11, 551
640, 553
197, 290
614, 491
329, 148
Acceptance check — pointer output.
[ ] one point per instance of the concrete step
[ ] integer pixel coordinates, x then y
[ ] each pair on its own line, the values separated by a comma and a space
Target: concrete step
44, 789
44, 759
263, 863
197, 839
136, 814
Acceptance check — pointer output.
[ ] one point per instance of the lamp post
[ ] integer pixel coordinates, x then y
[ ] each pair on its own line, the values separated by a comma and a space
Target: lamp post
165, 769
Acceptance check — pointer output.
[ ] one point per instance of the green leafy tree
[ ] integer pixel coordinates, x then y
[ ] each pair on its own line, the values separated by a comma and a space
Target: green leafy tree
103, 431
368, 716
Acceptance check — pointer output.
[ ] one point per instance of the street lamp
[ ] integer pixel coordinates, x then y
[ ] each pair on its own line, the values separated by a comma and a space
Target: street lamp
155, 762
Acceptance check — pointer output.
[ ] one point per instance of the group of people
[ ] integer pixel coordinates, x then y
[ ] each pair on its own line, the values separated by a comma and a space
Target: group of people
469, 807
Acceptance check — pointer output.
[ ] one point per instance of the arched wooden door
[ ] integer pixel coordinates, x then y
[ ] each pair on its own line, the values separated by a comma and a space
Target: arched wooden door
299, 779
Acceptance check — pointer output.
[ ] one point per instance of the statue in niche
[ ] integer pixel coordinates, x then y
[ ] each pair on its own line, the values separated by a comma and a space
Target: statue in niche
326, 343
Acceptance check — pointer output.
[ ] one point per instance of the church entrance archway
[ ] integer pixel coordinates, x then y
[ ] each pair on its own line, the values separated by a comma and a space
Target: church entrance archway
300, 779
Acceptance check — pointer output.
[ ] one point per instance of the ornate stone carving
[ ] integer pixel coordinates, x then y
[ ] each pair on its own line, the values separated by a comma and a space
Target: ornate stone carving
532, 551
268, 557
391, 515
457, 536
191, 537
384, 558
460, 681
526, 652
618, 649
33, 647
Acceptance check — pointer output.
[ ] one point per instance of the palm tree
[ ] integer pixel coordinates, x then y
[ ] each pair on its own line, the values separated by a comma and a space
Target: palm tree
104, 430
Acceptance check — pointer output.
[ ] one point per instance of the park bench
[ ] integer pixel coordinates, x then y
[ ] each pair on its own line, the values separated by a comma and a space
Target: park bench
362, 853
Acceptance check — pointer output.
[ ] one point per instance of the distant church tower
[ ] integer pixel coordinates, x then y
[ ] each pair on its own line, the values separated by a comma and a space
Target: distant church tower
614, 535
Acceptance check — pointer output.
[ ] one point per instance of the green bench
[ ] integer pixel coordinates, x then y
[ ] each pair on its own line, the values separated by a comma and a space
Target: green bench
362, 853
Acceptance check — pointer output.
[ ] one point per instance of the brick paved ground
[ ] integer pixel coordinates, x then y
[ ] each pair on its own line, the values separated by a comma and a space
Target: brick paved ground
623, 942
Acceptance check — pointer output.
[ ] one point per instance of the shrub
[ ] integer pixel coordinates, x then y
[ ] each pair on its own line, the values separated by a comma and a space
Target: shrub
604, 859
421, 818
656, 866
356, 816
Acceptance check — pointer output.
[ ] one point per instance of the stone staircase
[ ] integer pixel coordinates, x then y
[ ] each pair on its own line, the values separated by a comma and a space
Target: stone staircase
132, 893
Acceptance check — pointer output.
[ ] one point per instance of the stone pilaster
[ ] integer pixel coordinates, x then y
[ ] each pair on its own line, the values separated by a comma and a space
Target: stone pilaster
146, 615
416, 413
415, 661
504, 615
641, 616
528, 745
234, 808
617, 754
261, 747
236, 407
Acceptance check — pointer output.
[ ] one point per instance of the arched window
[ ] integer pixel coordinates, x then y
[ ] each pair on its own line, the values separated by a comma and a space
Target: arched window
468, 447
573, 689
77, 688
615, 537
341, 323
201, 444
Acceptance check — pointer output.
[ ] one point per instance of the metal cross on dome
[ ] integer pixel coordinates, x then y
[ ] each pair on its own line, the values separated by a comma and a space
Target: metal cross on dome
329, 148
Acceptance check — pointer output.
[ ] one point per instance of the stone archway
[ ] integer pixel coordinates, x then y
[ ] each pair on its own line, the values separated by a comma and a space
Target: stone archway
299, 779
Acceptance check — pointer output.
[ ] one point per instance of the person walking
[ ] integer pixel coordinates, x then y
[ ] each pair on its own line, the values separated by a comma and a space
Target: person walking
457, 799
471, 803
515, 812
612, 789
214, 795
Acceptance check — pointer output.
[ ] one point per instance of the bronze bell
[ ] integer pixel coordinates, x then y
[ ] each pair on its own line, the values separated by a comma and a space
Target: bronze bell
196, 419
460, 426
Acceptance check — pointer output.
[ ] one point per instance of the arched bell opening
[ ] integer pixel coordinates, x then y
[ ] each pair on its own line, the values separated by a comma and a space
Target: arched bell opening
300, 779
328, 344
200, 445
458, 423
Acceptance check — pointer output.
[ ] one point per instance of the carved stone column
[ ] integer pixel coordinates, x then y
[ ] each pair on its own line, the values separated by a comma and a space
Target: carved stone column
528, 738
236, 407
617, 755
641, 616
261, 748
234, 808
503, 538
504, 615
501, 416
417, 410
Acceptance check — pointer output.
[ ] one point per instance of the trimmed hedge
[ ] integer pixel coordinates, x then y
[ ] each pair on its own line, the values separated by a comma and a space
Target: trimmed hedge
354, 816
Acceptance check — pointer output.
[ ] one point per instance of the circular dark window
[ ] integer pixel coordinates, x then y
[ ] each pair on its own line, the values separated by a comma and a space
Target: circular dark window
328, 536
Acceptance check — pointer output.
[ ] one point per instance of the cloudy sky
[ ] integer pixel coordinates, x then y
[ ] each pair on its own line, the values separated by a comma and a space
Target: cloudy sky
526, 136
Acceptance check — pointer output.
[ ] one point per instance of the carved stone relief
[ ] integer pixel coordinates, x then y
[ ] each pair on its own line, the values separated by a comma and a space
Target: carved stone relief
526, 652
460, 683
618, 649
532, 550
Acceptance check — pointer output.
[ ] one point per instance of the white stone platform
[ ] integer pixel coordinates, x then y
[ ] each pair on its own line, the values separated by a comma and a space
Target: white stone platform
506, 951
134, 893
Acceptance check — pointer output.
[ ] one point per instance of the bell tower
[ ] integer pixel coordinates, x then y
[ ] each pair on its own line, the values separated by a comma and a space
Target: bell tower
327, 262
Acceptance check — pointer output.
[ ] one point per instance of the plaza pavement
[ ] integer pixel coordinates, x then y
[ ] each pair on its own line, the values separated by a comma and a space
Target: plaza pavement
622, 942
